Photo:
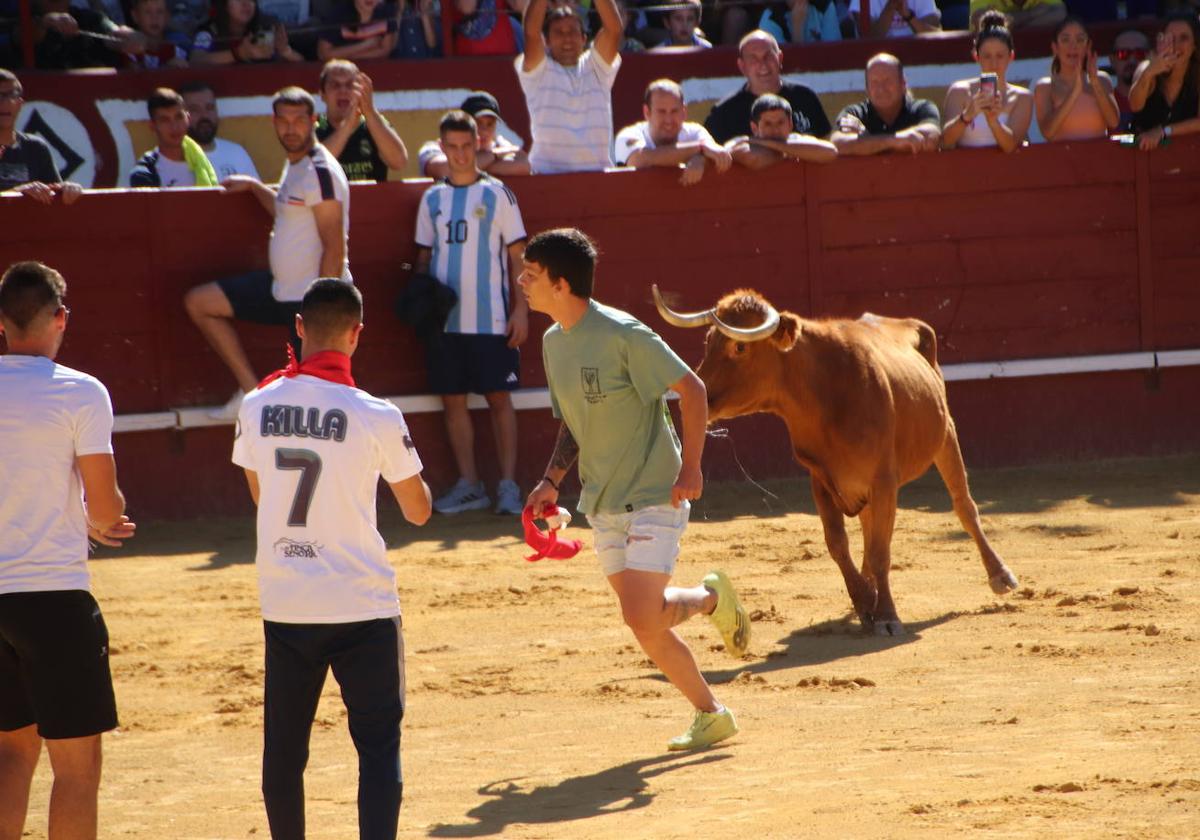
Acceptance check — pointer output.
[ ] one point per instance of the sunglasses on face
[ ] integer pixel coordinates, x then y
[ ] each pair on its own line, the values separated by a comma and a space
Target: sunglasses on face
1125, 55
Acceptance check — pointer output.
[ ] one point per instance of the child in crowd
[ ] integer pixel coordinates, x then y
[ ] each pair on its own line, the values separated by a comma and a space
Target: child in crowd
162, 47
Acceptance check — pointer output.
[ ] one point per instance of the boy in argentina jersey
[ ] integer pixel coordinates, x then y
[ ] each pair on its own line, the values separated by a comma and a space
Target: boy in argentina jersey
469, 236
608, 375
314, 447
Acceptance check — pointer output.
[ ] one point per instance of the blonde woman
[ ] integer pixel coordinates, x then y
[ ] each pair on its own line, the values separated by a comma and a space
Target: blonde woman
1075, 102
976, 116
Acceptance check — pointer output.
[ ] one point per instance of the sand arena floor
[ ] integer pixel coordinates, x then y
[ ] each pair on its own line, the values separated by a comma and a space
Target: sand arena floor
1066, 709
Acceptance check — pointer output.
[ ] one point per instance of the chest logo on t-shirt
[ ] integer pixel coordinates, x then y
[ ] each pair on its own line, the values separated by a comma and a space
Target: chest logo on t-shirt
481, 212
590, 378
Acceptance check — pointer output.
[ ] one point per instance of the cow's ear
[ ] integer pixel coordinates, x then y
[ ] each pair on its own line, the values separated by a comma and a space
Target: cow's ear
788, 332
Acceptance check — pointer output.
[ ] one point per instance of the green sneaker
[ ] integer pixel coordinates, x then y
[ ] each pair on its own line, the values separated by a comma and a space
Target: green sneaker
729, 616
707, 728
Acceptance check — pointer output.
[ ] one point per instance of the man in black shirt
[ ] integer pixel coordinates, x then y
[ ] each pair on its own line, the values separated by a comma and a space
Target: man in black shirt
889, 119
26, 164
364, 143
760, 60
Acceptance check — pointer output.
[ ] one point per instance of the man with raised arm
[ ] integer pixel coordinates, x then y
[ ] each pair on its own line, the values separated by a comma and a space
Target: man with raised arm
568, 86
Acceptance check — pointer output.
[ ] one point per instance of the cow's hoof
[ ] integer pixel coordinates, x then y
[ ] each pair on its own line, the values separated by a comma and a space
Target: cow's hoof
1003, 581
889, 628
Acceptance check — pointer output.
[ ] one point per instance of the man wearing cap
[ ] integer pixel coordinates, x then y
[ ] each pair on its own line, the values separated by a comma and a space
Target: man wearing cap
361, 139
496, 155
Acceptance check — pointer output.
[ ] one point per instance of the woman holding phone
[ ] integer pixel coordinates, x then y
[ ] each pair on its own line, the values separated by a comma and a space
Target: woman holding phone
988, 111
1075, 102
1165, 95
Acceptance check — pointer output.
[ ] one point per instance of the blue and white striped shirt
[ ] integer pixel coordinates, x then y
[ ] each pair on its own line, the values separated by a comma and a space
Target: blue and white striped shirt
469, 230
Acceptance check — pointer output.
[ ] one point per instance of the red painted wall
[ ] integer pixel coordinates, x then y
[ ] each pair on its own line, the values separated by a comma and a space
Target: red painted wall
1062, 250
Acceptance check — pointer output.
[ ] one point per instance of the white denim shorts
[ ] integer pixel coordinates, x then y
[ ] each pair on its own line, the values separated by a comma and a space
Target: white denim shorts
646, 540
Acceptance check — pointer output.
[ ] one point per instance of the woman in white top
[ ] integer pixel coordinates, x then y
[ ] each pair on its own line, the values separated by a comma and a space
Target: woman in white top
975, 117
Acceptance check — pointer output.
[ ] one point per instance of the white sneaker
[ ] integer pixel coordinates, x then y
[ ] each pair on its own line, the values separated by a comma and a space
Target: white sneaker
508, 498
463, 496
229, 411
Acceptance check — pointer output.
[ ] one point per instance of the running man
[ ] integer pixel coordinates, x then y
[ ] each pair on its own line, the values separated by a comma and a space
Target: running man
314, 447
608, 375
469, 236
58, 487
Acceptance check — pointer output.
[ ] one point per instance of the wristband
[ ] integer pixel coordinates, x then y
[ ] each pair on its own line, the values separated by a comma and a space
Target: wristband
551, 480
1166, 131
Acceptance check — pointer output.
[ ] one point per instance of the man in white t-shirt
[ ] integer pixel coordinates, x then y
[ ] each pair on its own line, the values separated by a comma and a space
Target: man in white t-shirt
469, 236
177, 160
58, 487
227, 157
314, 447
666, 138
899, 18
310, 240
568, 87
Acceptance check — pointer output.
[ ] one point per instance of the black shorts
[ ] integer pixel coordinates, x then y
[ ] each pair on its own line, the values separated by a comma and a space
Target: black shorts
251, 299
462, 363
54, 664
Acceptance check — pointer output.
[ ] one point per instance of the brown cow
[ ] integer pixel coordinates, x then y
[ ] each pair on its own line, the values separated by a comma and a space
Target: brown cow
865, 408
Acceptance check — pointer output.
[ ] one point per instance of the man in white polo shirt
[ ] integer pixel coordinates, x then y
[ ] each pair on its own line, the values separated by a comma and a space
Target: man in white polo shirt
569, 92
312, 226
58, 486
666, 138
314, 447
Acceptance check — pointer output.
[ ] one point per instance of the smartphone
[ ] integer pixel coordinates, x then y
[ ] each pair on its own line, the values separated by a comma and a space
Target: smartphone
988, 83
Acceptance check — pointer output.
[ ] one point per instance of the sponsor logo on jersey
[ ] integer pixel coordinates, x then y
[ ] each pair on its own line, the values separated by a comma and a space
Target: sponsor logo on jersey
285, 547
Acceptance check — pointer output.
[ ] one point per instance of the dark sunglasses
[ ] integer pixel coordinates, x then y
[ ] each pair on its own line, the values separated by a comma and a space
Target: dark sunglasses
1125, 55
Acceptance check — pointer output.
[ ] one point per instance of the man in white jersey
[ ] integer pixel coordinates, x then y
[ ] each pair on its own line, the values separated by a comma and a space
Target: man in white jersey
469, 236
311, 208
204, 121
569, 92
58, 486
666, 138
608, 375
314, 447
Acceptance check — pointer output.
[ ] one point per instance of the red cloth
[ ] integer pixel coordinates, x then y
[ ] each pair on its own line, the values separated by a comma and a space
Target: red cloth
546, 544
330, 365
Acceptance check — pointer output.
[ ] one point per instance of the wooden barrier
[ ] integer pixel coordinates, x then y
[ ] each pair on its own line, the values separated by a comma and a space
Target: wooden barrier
1068, 250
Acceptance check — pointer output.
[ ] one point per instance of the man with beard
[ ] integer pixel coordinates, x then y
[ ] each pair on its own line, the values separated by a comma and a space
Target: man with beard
666, 138
177, 160
309, 240
227, 157
1129, 49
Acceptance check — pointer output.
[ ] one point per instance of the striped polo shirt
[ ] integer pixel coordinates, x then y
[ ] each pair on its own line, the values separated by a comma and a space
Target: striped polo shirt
570, 113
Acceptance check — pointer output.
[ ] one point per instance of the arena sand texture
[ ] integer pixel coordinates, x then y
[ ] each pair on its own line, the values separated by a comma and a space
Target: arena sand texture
1066, 709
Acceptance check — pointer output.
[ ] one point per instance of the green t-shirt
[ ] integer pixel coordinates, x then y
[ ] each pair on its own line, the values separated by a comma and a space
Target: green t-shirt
608, 378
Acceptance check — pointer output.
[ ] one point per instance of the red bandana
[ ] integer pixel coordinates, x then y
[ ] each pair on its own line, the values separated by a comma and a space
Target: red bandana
546, 544
330, 365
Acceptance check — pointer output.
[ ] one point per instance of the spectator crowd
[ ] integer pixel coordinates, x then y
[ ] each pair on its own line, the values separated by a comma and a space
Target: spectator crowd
149, 34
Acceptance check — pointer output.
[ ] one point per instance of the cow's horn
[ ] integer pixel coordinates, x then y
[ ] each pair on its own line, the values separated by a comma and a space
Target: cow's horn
765, 330
677, 319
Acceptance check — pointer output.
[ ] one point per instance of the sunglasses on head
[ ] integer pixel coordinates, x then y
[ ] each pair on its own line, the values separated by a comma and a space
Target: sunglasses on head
1125, 55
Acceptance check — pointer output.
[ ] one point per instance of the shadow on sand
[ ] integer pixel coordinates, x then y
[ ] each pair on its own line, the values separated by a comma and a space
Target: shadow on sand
611, 791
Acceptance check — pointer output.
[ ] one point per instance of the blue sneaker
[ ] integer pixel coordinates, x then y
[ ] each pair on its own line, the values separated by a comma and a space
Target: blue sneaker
464, 495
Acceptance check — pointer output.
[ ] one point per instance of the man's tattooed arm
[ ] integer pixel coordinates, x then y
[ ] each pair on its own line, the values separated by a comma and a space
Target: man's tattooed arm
566, 450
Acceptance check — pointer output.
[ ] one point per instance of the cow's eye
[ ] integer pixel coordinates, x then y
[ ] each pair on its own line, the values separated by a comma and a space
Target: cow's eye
739, 347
